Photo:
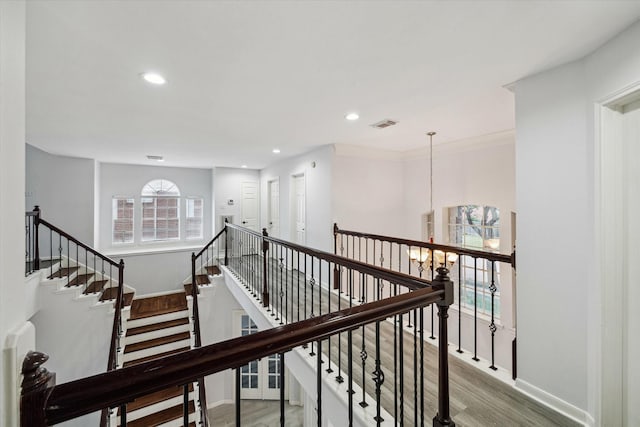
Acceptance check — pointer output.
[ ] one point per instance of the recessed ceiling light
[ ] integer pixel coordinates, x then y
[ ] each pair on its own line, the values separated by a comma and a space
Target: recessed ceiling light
244, 166
352, 116
154, 78
156, 158
276, 151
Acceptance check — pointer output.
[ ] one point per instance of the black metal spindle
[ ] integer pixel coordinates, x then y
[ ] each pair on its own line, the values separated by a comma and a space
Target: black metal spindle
281, 380
238, 409
319, 383
185, 405
492, 326
459, 350
123, 415
378, 377
475, 309
350, 391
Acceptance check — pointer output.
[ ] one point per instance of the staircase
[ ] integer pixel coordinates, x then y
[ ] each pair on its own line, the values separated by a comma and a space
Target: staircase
157, 327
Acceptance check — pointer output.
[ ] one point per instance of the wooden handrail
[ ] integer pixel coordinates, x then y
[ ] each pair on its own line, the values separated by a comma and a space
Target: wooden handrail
77, 242
75, 398
395, 277
491, 256
210, 243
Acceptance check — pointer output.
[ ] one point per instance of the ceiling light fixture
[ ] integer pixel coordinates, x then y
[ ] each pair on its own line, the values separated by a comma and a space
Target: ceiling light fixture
243, 166
154, 78
276, 151
352, 116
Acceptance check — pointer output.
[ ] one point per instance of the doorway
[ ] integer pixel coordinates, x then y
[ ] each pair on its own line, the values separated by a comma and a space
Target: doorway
273, 214
249, 205
299, 209
619, 234
259, 379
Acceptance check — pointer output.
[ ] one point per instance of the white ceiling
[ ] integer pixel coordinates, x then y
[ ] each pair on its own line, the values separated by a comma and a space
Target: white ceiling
247, 76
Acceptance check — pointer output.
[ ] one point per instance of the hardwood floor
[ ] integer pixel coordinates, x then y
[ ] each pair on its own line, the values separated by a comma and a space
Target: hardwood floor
256, 413
477, 398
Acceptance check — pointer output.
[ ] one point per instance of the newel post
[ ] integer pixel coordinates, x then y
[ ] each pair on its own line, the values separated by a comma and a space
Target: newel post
226, 242
36, 243
442, 281
36, 388
265, 283
336, 269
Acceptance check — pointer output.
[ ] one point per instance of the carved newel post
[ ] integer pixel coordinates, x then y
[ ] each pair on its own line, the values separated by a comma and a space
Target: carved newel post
37, 385
442, 281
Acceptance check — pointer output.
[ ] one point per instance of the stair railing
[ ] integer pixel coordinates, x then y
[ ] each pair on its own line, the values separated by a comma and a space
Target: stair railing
75, 252
45, 403
201, 259
413, 257
295, 283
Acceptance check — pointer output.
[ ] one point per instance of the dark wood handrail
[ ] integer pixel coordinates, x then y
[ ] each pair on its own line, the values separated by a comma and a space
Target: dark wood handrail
217, 236
75, 398
391, 276
491, 256
78, 242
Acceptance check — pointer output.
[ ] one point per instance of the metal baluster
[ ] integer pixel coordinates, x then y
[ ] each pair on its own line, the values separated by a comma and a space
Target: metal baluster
378, 376
312, 283
319, 383
492, 326
363, 356
475, 309
238, 397
415, 371
421, 366
339, 378
281, 362
350, 391
459, 350
396, 321
185, 405
123, 415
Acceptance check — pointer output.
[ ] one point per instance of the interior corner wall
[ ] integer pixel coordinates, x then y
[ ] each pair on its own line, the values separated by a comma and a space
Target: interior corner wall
369, 193
64, 189
12, 188
227, 185
559, 303
319, 185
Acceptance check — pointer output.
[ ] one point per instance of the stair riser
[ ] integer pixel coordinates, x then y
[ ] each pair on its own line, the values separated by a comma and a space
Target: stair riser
155, 350
157, 407
156, 334
157, 319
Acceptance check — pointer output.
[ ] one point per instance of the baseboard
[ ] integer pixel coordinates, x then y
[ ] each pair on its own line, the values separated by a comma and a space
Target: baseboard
555, 403
211, 405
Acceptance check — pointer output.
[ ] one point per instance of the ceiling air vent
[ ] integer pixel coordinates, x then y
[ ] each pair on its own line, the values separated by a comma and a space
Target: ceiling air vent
384, 124
158, 158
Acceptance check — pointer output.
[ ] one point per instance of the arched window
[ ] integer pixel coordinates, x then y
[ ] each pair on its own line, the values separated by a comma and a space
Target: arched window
160, 210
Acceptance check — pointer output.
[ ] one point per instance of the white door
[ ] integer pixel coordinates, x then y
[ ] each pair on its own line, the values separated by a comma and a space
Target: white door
259, 379
249, 205
299, 209
631, 331
273, 226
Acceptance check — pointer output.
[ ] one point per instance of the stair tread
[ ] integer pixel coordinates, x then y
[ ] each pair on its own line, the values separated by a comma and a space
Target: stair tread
157, 326
162, 417
79, 280
112, 293
95, 287
158, 396
155, 356
213, 270
202, 279
143, 345
187, 289
63, 272
155, 306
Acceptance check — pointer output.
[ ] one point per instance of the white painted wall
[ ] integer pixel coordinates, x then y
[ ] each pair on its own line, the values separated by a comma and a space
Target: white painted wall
318, 181
12, 170
559, 340
216, 307
149, 273
128, 180
76, 335
64, 189
227, 185
368, 190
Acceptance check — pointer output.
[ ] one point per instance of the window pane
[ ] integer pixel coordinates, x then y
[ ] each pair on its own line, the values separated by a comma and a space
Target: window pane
194, 218
122, 217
